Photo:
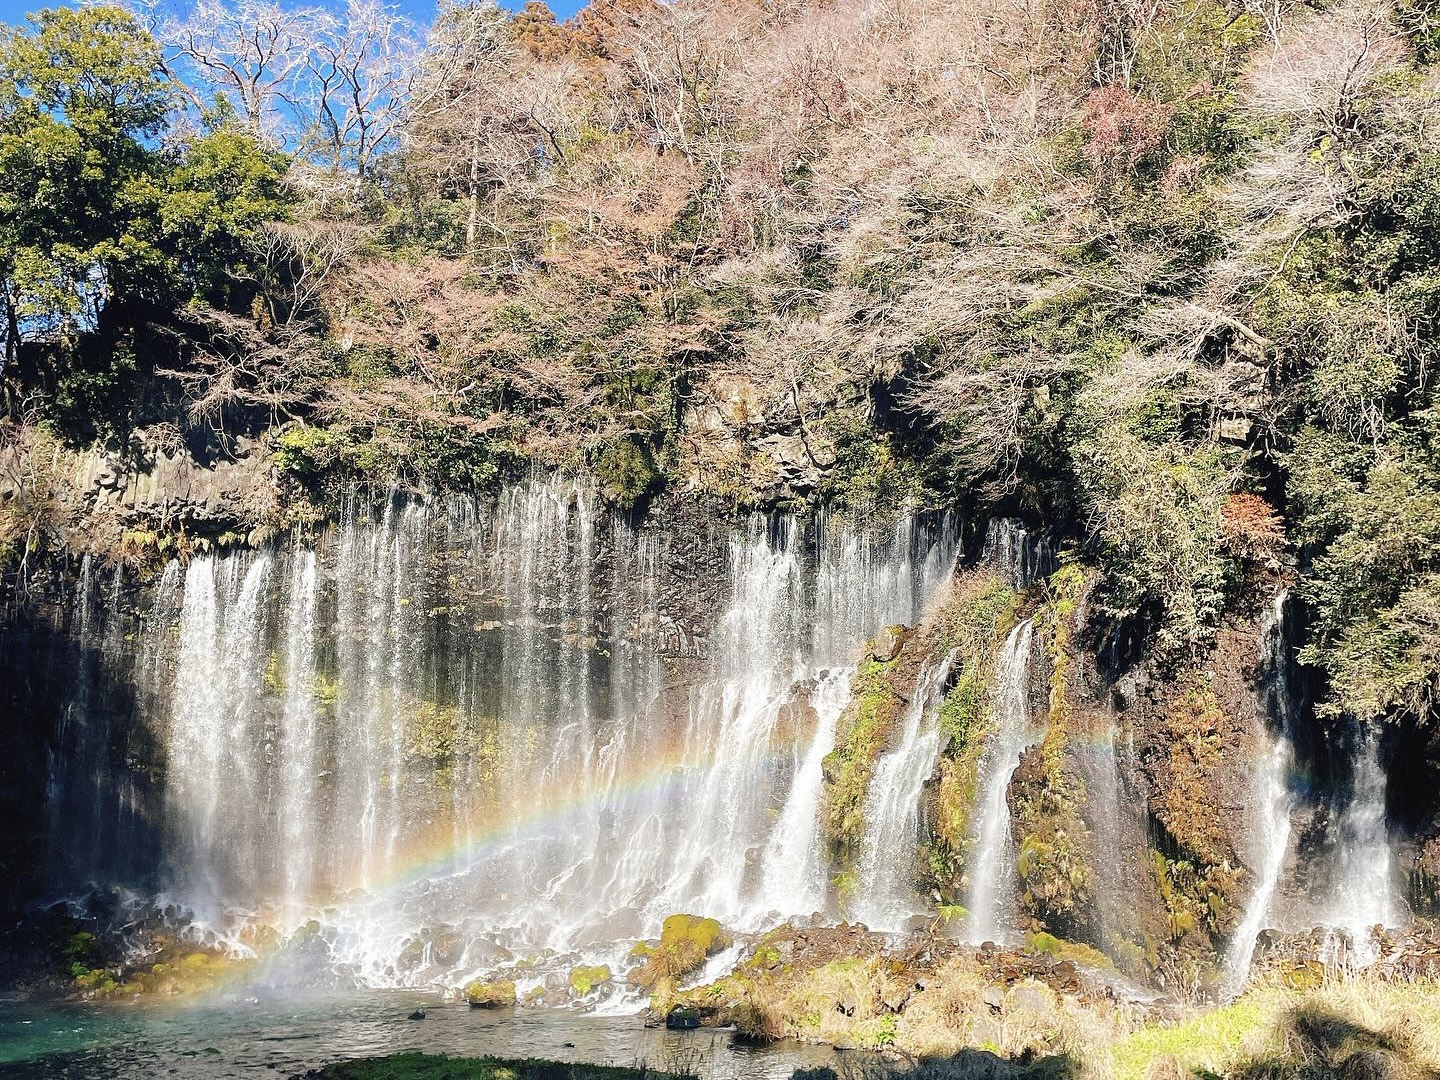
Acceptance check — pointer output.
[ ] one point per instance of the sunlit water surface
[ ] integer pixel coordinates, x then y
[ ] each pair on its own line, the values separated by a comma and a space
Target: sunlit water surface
285, 1036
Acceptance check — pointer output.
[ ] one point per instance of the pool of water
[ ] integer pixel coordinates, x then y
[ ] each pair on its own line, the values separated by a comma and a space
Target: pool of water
282, 1036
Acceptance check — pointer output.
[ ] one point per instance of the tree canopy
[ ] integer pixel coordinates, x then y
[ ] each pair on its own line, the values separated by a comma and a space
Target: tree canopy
1161, 278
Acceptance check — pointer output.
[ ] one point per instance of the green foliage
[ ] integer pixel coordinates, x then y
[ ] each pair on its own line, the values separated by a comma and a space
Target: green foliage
1374, 587
626, 471
103, 232
1159, 530
869, 471
306, 450
220, 190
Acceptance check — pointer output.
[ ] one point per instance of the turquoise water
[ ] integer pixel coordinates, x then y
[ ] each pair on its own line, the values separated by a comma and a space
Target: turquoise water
283, 1036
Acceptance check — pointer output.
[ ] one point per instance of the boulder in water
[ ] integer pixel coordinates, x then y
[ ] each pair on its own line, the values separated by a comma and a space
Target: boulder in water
490, 995
682, 1019
586, 979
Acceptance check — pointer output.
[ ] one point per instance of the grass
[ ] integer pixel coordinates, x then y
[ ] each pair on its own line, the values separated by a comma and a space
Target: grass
414, 1066
1346, 1030
1204, 1044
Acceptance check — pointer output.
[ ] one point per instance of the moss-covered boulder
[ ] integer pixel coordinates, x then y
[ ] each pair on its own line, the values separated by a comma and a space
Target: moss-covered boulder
586, 979
490, 995
972, 627
685, 943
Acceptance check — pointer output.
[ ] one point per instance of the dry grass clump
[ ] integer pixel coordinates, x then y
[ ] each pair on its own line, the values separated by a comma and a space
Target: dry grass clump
1351, 1031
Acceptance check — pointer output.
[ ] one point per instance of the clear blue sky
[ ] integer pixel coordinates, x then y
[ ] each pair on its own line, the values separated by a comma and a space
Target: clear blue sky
14, 11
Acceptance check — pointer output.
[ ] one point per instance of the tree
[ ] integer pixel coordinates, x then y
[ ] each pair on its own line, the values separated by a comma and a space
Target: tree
356, 91
330, 85
81, 94
247, 52
105, 229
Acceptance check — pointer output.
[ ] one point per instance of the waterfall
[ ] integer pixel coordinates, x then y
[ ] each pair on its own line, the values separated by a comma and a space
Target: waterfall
733, 714
101, 684
1021, 557
794, 873
457, 731
992, 861
216, 747
1107, 821
299, 737
885, 895
1273, 796
1274, 801
1364, 884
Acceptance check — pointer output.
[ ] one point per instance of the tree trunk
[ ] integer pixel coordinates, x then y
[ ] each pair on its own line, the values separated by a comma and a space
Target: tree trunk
473, 224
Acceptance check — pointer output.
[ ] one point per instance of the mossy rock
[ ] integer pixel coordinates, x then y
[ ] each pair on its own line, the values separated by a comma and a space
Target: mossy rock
1077, 953
703, 932
490, 995
585, 980
685, 943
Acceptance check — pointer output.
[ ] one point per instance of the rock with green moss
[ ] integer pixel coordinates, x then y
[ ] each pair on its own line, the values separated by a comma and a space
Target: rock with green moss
686, 941
972, 626
585, 980
864, 730
481, 994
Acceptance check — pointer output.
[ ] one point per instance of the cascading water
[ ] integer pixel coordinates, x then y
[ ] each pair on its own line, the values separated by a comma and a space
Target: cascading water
451, 732
886, 896
794, 873
992, 862
299, 739
1363, 883
1274, 797
216, 797
98, 821
1020, 556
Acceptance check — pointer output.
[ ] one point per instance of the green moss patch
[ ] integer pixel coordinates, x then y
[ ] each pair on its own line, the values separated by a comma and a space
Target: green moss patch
685, 943
864, 732
585, 980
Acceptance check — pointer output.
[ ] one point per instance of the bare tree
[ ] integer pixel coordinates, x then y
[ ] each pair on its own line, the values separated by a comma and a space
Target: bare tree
357, 81
1316, 75
244, 365
296, 261
250, 52
459, 126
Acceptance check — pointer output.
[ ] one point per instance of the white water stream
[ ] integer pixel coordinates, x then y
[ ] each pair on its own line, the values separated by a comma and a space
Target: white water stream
1364, 880
1273, 799
992, 862
886, 896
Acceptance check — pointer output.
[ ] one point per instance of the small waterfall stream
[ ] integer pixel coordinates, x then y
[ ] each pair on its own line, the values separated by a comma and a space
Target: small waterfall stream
1364, 879
794, 874
1274, 803
992, 861
886, 897
1021, 557
1273, 799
